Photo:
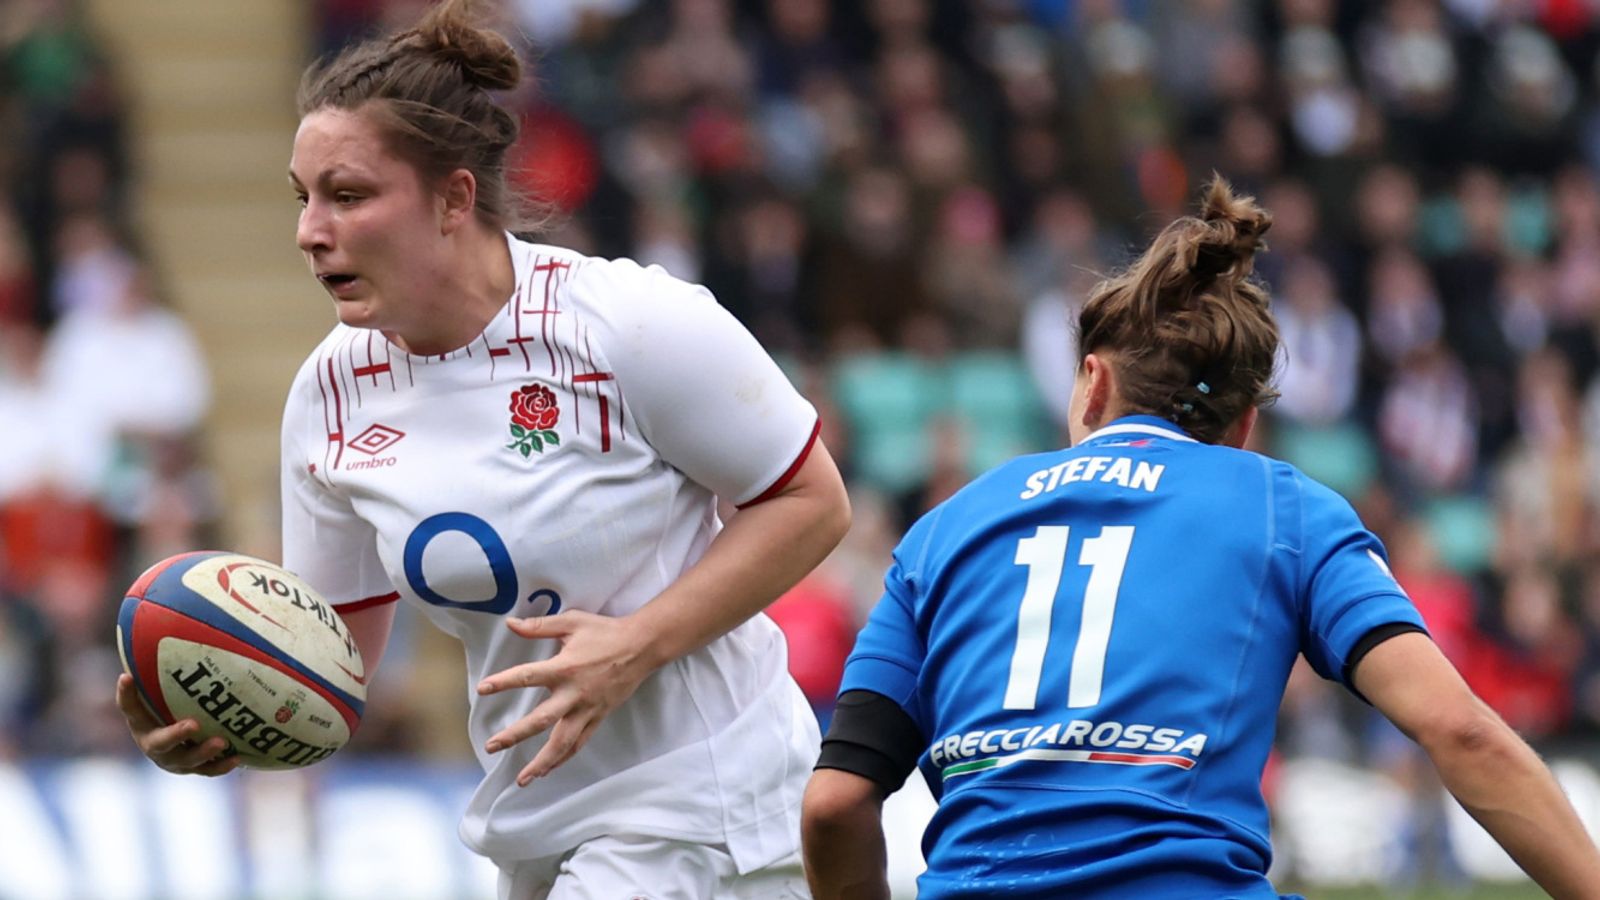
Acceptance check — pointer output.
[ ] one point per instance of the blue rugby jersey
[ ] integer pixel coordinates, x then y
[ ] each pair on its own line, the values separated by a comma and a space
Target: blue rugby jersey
1094, 643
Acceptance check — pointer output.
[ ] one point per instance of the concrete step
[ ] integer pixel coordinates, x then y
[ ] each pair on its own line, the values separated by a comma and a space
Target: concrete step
211, 38
206, 158
257, 305
218, 90
192, 22
251, 387
222, 238
269, 196
212, 85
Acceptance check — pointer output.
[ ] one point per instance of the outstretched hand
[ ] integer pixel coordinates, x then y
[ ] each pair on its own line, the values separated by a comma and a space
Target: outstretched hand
172, 747
600, 664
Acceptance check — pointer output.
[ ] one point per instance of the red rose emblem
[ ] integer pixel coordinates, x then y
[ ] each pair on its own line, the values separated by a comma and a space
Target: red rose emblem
534, 414
534, 408
284, 714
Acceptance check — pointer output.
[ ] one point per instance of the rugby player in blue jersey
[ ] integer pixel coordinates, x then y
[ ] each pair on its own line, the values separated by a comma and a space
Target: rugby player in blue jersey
1084, 651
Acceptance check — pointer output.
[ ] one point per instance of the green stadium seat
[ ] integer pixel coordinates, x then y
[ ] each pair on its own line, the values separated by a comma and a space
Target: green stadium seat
1340, 456
994, 396
1464, 530
888, 399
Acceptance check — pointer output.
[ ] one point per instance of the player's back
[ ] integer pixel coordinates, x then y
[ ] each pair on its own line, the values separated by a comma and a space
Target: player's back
1105, 635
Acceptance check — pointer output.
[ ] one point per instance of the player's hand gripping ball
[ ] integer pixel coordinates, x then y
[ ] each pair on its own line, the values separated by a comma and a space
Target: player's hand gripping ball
249, 651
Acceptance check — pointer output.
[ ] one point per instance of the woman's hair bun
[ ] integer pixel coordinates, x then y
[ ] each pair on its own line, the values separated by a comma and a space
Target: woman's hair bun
1233, 226
450, 32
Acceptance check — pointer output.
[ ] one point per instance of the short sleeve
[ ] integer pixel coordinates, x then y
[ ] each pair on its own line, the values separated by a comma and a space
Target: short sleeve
1346, 587
890, 651
324, 541
701, 390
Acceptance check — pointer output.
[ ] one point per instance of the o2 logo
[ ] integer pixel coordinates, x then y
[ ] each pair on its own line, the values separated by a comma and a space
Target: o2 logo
494, 550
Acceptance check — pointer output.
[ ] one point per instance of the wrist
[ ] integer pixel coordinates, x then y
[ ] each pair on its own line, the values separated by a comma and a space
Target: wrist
652, 650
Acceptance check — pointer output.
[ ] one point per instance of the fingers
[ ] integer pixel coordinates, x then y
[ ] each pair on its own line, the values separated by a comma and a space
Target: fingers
194, 757
538, 674
543, 716
166, 739
527, 675
172, 747
148, 732
558, 625
566, 739
218, 767
133, 709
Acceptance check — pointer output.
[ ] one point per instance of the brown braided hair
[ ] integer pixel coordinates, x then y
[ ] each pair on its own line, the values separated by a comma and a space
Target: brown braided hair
1193, 336
428, 88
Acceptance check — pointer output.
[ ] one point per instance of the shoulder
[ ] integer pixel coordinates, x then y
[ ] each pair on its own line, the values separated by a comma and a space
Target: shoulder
1304, 488
608, 288
622, 287
309, 378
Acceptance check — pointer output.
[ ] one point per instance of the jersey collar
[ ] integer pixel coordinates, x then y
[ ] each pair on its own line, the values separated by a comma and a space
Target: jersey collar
1145, 426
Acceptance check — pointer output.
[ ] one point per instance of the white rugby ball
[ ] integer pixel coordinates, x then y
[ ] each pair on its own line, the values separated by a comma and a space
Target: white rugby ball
248, 650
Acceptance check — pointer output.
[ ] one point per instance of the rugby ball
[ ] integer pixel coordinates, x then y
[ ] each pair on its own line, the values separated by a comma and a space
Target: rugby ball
248, 650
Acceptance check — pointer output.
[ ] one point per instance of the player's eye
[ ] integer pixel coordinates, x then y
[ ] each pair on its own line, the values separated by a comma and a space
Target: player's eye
346, 198
300, 199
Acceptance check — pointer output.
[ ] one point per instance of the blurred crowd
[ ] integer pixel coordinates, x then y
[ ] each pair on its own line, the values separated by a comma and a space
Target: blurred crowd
102, 388
905, 200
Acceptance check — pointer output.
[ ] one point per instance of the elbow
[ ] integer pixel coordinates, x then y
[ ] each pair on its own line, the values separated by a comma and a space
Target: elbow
836, 519
1473, 732
822, 817
836, 807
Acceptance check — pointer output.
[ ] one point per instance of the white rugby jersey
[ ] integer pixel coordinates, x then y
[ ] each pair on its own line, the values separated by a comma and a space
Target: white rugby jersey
568, 458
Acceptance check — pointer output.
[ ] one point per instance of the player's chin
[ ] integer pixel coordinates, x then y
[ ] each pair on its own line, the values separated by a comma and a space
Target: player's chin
357, 312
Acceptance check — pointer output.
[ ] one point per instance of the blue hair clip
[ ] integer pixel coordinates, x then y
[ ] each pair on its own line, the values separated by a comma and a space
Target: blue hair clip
1203, 388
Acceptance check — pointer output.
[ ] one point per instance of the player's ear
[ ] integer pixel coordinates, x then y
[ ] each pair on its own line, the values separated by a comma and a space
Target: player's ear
1239, 432
458, 196
1098, 389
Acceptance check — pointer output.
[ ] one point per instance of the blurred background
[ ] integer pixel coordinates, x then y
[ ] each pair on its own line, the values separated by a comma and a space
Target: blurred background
905, 200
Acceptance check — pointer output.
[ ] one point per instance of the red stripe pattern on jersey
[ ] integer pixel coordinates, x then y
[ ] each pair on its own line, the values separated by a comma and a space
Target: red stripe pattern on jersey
605, 404
332, 418
373, 369
551, 270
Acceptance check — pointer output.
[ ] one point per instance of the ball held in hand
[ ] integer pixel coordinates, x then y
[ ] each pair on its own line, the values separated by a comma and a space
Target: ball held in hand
248, 650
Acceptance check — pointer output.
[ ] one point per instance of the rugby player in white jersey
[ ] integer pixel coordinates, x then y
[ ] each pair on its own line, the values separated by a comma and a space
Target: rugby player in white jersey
528, 445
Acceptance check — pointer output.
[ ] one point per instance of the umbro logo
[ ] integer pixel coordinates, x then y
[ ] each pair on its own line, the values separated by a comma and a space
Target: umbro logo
376, 439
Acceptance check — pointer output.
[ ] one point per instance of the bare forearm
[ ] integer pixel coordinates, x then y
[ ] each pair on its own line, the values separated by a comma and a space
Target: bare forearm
847, 865
1510, 792
370, 627
842, 833
764, 551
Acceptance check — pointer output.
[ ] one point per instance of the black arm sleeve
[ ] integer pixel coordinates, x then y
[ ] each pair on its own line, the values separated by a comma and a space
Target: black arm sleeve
1364, 646
873, 737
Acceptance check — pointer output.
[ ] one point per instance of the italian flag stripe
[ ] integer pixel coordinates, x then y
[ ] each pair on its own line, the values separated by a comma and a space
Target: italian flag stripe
1046, 755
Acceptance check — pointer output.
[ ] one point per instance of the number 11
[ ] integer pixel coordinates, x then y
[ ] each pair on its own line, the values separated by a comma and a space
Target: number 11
1045, 556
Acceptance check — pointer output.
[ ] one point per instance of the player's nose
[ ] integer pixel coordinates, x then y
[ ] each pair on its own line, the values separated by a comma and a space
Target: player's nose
311, 232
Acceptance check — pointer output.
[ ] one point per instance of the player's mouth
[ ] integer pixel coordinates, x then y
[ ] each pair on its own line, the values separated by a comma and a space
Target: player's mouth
339, 284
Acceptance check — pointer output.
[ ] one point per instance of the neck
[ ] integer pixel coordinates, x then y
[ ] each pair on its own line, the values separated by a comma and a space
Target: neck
466, 294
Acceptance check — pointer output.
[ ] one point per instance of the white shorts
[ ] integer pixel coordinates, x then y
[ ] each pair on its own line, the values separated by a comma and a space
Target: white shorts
625, 867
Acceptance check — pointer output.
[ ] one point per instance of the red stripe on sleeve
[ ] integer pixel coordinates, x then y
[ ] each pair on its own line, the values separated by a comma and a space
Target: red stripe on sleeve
788, 474
366, 603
